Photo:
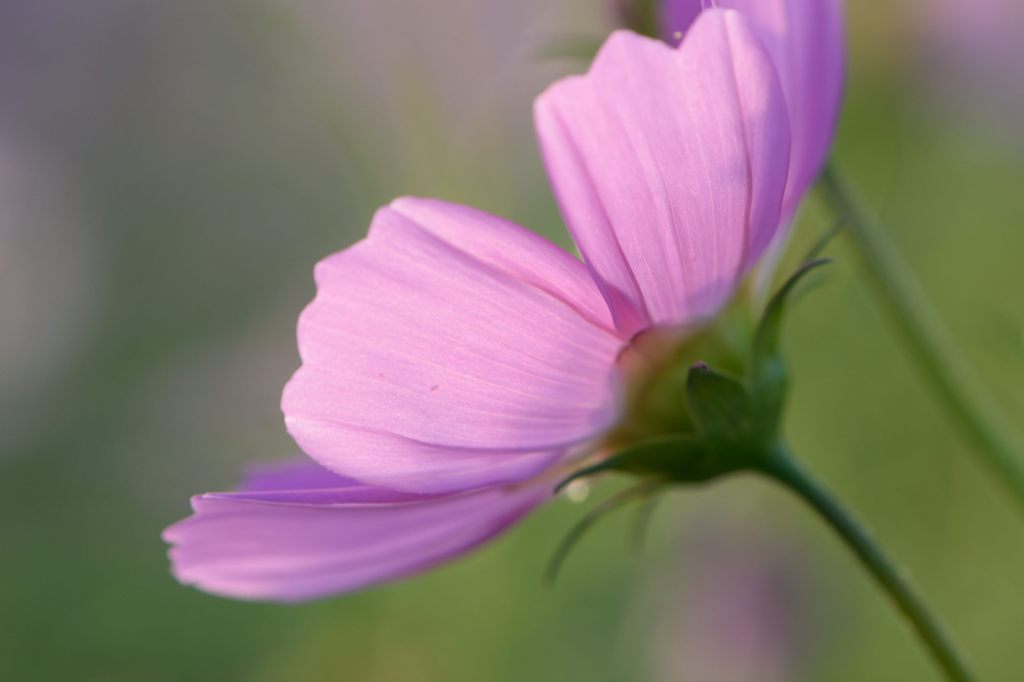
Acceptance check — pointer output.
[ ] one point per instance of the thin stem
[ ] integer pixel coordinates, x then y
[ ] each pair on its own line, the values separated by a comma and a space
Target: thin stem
787, 471
922, 330
642, 522
598, 512
824, 240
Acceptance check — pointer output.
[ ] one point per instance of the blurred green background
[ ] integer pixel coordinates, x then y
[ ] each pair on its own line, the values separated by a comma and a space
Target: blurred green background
169, 173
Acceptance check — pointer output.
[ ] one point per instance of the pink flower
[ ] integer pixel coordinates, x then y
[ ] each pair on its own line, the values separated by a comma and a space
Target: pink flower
457, 365
806, 42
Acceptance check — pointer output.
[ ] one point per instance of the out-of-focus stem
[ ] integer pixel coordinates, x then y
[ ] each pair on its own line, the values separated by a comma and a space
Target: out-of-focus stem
925, 335
786, 470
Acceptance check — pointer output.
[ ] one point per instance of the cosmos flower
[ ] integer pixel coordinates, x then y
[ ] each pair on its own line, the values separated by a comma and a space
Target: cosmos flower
806, 42
457, 365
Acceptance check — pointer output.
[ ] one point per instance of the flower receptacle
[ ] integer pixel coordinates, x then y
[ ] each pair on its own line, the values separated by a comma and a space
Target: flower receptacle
696, 422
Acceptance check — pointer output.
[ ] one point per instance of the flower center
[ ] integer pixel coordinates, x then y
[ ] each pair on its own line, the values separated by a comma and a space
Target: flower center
655, 366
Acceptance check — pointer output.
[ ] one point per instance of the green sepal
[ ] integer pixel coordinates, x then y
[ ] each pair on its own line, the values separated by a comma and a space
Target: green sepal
655, 457
768, 376
721, 406
672, 459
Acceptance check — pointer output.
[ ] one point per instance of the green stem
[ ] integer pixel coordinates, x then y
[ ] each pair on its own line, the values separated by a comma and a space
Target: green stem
950, 375
786, 470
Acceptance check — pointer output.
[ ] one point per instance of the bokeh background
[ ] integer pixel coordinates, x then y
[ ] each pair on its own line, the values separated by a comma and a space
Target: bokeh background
169, 173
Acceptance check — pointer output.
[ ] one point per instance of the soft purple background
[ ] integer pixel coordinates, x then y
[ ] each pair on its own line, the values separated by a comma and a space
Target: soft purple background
177, 168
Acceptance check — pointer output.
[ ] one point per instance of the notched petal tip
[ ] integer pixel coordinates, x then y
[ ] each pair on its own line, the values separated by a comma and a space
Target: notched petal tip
669, 167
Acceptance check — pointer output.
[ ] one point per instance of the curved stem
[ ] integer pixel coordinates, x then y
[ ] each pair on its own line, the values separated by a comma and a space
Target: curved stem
786, 470
602, 509
950, 375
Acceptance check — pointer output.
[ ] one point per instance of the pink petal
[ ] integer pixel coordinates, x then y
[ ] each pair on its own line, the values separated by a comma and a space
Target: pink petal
448, 350
669, 166
806, 42
289, 543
